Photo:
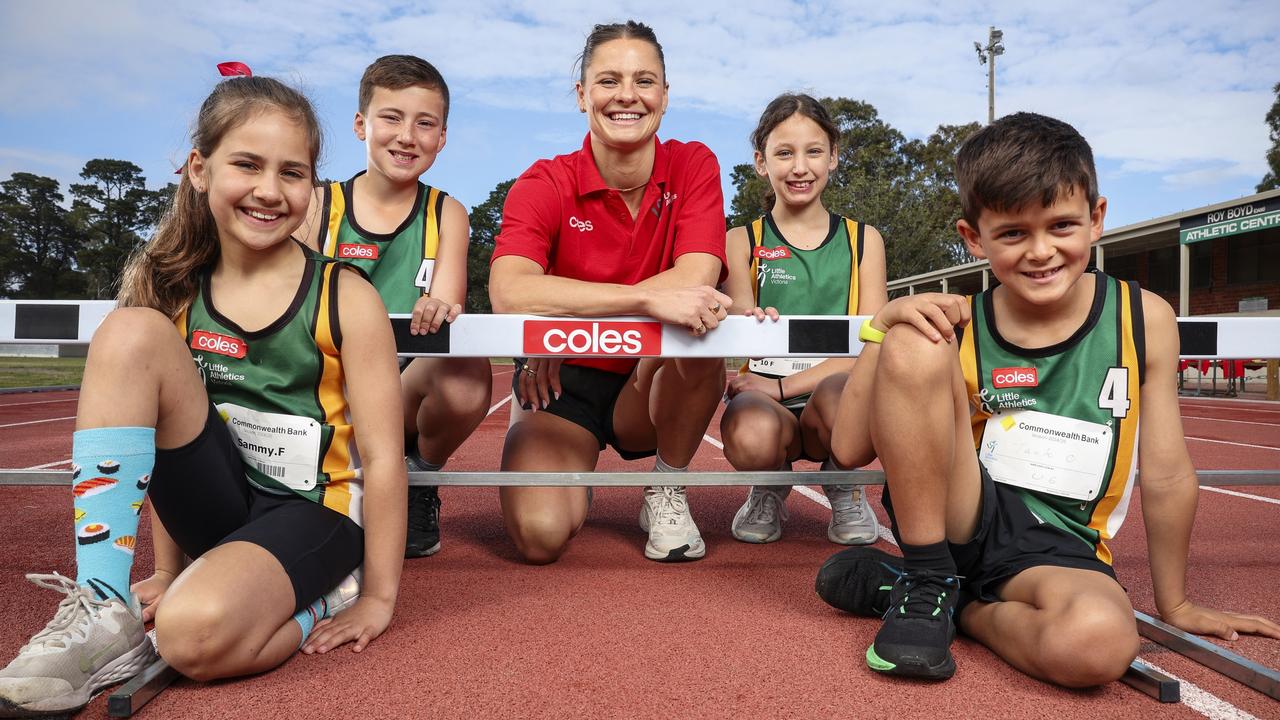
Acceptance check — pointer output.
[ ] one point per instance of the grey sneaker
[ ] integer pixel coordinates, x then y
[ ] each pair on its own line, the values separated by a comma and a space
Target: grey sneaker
673, 536
853, 522
759, 520
88, 645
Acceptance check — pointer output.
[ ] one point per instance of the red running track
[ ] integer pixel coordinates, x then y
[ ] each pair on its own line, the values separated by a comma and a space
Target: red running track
606, 633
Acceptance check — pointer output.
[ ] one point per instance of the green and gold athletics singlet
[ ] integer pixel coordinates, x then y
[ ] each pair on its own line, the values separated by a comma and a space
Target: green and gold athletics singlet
1061, 422
821, 281
280, 390
399, 263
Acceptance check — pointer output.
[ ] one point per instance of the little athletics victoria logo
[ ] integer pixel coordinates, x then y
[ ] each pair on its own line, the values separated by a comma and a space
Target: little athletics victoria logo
592, 338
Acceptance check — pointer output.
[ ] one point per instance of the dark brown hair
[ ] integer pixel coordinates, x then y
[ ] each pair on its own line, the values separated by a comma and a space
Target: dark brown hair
396, 72
1023, 158
165, 273
631, 30
786, 105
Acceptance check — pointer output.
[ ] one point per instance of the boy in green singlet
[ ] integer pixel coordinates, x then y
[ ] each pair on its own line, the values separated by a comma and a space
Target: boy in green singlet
1045, 378
411, 240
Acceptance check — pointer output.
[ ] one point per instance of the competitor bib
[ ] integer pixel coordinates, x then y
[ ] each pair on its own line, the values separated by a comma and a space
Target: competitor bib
1047, 453
285, 448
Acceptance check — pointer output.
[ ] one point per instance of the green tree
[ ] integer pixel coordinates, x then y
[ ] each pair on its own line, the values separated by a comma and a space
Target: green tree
1271, 180
905, 188
113, 212
37, 243
486, 221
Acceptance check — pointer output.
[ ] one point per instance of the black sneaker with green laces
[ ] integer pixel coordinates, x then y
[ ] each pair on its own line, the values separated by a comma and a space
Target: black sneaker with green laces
423, 536
915, 639
858, 580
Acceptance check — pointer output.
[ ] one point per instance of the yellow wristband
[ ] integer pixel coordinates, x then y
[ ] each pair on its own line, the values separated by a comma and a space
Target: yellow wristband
868, 333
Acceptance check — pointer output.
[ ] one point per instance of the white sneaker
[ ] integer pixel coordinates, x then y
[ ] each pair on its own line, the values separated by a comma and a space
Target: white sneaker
673, 536
759, 520
343, 595
853, 522
88, 645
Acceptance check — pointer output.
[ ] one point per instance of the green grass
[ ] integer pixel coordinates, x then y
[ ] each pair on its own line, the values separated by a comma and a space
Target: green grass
40, 372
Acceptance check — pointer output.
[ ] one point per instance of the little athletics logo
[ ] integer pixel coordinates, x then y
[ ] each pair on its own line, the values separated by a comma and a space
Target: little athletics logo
989, 402
600, 339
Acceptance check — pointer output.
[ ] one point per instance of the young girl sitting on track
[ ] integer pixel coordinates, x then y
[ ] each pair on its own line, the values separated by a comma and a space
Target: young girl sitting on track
799, 259
241, 425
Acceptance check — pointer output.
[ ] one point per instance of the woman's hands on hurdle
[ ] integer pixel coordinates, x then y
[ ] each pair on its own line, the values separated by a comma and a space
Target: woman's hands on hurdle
538, 382
151, 591
698, 308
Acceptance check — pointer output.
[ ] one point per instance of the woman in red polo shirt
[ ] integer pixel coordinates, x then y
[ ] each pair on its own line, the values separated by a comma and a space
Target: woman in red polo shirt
628, 225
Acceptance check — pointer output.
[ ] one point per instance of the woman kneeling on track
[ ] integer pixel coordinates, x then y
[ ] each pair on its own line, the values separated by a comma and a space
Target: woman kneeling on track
248, 453
628, 225
799, 259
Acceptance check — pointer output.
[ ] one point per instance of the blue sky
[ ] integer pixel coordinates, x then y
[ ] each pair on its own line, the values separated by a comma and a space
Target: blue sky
1172, 95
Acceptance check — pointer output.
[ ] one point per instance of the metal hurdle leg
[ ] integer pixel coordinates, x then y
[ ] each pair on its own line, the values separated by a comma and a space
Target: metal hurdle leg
130, 697
1263, 679
1149, 681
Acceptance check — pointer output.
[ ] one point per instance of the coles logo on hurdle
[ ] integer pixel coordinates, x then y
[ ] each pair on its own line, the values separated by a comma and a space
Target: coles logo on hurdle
777, 253
1014, 377
220, 344
357, 251
576, 337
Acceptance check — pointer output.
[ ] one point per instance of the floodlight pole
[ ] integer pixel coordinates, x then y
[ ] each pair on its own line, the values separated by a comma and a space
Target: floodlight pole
988, 55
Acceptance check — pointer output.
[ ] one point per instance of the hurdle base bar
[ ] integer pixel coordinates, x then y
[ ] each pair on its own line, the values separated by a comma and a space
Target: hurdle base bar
1259, 677
130, 697
1151, 682
1207, 478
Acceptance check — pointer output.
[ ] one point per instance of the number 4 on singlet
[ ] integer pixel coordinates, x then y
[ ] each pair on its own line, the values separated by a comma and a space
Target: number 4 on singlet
1115, 392
425, 271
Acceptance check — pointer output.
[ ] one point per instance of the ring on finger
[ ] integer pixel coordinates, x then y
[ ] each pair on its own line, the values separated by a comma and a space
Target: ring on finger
701, 329
715, 308
529, 371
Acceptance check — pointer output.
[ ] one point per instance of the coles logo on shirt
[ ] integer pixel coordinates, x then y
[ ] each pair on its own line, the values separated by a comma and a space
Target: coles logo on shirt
777, 253
219, 344
577, 337
357, 251
1014, 377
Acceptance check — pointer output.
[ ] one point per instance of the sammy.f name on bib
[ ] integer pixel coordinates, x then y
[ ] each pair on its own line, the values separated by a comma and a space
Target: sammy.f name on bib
1047, 453
285, 448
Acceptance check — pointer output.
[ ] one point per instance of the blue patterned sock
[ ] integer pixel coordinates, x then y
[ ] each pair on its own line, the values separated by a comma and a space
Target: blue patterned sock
307, 618
111, 468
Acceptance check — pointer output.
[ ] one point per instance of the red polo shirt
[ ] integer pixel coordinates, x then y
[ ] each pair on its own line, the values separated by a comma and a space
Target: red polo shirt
561, 215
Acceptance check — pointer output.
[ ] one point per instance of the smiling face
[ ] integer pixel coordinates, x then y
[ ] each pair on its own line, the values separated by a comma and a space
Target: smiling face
623, 93
797, 160
1038, 253
403, 131
258, 180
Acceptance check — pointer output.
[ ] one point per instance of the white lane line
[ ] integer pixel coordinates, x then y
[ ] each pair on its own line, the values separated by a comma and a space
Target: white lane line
48, 465
1241, 422
1219, 442
498, 404
38, 402
1273, 501
37, 422
1203, 701
714, 442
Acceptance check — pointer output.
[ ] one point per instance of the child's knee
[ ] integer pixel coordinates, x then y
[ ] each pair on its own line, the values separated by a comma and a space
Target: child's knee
753, 439
132, 332
1090, 643
908, 357
190, 639
540, 537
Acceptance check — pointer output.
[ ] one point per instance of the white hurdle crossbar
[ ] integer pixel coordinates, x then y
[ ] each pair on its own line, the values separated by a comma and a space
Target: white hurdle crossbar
73, 322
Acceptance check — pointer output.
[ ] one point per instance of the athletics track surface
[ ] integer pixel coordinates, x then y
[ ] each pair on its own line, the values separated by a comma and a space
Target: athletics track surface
606, 633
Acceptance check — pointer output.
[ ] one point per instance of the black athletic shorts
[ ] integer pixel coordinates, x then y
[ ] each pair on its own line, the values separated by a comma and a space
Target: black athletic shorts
1009, 539
587, 398
200, 492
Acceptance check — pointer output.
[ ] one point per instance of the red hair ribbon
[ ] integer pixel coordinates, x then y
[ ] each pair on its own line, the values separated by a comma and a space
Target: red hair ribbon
232, 69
